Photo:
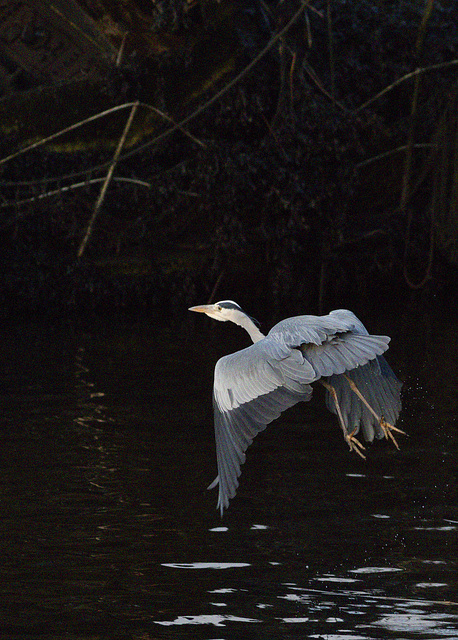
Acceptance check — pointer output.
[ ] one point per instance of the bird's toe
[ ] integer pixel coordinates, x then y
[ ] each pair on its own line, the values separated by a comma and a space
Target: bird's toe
354, 444
387, 429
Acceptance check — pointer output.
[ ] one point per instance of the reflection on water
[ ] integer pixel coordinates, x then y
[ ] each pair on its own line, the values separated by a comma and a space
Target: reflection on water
216, 620
338, 612
107, 529
206, 565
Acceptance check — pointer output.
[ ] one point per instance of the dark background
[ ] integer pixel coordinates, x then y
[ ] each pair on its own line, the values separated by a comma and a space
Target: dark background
302, 189
293, 196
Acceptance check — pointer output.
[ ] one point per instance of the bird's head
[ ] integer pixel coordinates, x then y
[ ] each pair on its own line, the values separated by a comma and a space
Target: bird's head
230, 310
224, 310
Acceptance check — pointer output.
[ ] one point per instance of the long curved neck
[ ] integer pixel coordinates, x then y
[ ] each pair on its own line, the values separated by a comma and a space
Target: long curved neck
247, 323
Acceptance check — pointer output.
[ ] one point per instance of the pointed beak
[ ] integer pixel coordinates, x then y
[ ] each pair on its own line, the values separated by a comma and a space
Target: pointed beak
202, 308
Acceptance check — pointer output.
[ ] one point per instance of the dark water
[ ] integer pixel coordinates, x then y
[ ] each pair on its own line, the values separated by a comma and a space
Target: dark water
107, 530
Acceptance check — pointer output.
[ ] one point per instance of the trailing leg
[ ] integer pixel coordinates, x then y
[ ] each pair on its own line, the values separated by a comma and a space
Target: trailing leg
350, 439
386, 427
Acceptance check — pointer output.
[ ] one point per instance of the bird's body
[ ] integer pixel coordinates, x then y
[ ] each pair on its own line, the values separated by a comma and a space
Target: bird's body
252, 387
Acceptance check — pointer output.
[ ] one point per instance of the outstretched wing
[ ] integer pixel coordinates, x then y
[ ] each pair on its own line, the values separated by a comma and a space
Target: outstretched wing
331, 344
252, 388
339, 343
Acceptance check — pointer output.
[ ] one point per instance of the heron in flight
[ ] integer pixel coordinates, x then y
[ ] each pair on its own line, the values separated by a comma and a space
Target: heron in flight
252, 387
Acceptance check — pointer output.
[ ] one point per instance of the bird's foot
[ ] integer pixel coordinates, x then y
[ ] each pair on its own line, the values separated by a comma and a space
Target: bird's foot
387, 428
354, 444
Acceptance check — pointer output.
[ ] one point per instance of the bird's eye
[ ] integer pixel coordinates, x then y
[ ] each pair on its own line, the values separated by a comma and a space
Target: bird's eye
218, 308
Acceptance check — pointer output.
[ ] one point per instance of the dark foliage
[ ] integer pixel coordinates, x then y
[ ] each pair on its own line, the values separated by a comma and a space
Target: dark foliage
287, 202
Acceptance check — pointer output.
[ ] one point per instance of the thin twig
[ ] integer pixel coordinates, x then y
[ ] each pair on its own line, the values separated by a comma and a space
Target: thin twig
405, 197
216, 286
120, 55
176, 126
291, 76
412, 74
97, 116
311, 73
423, 24
331, 49
70, 187
71, 127
381, 156
254, 62
104, 188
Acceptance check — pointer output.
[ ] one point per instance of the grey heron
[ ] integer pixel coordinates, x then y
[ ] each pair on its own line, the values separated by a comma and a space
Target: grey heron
252, 387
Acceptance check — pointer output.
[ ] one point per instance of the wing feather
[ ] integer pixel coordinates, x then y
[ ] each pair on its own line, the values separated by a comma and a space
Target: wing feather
251, 389
331, 344
343, 352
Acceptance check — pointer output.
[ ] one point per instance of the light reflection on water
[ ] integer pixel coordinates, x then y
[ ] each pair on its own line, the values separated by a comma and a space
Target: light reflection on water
216, 620
206, 565
108, 530
338, 612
